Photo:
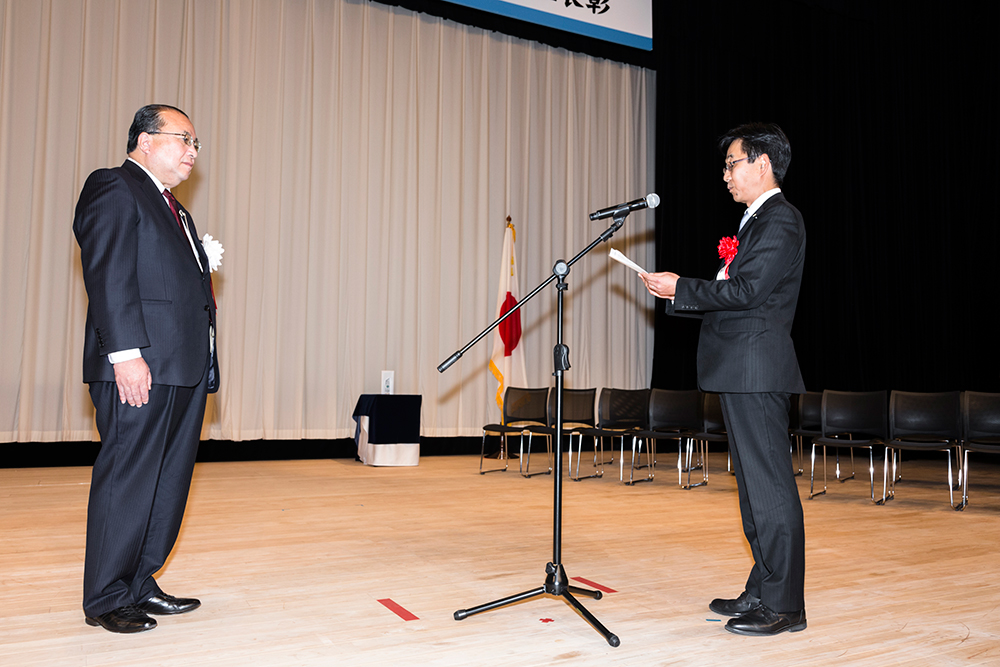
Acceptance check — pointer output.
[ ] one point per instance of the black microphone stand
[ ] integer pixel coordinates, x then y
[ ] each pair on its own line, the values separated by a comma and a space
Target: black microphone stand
556, 582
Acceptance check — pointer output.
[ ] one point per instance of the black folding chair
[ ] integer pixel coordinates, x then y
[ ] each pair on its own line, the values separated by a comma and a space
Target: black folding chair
620, 414
930, 422
981, 426
713, 426
524, 414
676, 415
804, 416
851, 419
578, 414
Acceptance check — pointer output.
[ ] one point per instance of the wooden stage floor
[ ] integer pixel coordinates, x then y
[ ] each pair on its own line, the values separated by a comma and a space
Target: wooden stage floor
292, 558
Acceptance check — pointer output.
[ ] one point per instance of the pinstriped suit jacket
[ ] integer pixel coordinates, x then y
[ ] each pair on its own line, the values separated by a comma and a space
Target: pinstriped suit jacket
143, 282
745, 345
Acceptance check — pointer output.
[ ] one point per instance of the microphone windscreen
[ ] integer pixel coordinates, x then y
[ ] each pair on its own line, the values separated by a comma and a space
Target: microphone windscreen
652, 200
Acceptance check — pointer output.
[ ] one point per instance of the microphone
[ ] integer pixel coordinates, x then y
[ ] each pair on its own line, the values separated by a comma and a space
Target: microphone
652, 200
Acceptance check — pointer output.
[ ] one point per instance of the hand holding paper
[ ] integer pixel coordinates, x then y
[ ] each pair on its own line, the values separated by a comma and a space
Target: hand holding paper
663, 284
619, 257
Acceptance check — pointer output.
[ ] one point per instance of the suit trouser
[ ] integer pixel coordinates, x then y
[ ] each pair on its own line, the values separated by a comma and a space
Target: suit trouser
138, 490
769, 497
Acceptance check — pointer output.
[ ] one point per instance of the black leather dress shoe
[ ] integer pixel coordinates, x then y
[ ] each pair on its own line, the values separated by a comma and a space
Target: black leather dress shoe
741, 605
763, 622
125, 620
168, 605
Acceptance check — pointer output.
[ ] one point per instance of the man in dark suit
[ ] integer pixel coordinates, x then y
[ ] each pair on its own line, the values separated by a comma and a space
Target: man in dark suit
746, 354
149, 357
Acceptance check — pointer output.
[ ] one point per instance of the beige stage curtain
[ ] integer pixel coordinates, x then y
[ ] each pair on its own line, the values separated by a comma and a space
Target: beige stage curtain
359, 164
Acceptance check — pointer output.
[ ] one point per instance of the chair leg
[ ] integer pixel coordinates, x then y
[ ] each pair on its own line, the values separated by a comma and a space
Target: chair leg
951, 488
637, 454
651, 458
958, 464
631, 471
688, 461
853, 470
683, 463
601, 442
888, 487
598, 471
959, 469
570, 462
701, 447
871, 471
604, 462
525, 465
965, 481
503, 455
812, 472
621, 459
796, 443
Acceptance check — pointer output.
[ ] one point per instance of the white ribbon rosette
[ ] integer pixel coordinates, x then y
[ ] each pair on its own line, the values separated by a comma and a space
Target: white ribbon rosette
214, 251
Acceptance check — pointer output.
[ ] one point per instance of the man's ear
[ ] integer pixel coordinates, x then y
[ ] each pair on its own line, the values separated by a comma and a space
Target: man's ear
764, 163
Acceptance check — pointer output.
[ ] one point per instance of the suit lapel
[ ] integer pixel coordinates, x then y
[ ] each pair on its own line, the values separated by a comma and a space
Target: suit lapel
164, 215
741, 234
153, 197
197, 243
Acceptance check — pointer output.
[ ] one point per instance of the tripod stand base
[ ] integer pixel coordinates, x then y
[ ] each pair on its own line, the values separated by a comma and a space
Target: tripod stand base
555, 585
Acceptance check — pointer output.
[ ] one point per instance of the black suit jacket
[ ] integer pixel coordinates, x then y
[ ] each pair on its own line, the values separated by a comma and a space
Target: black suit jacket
745, 343
144, 285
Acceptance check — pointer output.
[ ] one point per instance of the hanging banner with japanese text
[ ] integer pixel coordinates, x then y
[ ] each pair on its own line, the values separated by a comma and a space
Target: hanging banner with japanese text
625, 22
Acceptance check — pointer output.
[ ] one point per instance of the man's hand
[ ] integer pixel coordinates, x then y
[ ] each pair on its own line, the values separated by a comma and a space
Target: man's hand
663, 285
134, 381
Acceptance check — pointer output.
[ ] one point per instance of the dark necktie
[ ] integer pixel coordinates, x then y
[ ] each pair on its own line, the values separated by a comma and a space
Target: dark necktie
175, 208
182, 223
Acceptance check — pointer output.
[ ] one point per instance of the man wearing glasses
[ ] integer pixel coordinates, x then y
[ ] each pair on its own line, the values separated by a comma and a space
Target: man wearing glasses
149, 358
746, 354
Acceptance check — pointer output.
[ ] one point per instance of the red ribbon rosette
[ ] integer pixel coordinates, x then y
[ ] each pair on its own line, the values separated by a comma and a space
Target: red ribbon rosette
727, 251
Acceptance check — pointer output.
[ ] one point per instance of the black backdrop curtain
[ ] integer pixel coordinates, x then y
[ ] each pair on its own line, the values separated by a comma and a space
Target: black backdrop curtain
891, 116
891, 111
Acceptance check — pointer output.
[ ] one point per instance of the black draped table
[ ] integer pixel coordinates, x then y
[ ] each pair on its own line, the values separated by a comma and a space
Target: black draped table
388, 429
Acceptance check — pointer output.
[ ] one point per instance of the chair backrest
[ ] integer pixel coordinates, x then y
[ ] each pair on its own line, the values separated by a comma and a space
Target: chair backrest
623, 408
810, 411
932, 414
863, 414
578, 407
712, 420
522, 405
981, 414
674, 409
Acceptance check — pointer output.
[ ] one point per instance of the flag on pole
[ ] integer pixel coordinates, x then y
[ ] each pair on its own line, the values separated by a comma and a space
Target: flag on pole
507, 361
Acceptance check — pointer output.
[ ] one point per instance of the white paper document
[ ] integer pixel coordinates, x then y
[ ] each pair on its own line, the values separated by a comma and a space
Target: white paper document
618, 257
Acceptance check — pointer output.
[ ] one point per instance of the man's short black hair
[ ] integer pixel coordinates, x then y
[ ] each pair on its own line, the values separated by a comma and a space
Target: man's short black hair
760, 138
147, 119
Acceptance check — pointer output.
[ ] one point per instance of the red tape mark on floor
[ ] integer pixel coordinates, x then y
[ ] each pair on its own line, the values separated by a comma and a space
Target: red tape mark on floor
397, 610
588, 582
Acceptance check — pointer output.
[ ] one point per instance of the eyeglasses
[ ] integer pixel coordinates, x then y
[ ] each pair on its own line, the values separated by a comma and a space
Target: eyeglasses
725, 170
185, 137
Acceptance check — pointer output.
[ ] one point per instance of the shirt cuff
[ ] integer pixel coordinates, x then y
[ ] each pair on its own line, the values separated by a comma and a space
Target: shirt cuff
124, 355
